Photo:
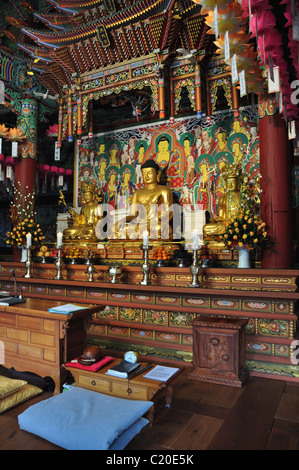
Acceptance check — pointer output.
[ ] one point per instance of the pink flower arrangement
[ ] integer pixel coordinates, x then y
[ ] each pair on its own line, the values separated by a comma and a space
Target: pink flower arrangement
52, 131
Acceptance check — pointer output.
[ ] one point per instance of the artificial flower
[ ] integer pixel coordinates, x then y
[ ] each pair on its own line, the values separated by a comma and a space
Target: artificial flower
17, 236
251, 234
23, 217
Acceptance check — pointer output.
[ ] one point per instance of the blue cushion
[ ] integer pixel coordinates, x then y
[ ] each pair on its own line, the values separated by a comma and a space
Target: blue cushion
123, 440
81, 419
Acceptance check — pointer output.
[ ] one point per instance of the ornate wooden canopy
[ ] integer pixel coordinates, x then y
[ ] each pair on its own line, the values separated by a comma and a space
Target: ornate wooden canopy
77, 37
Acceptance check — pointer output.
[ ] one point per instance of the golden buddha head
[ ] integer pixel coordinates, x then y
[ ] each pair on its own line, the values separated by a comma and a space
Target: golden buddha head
141, 149
187, 143
236, 126
101, 148
88, 190
150, 171
87, 187
103, 166
113, 151
163, 144
126, 176
233, 176
221, 136
236, 147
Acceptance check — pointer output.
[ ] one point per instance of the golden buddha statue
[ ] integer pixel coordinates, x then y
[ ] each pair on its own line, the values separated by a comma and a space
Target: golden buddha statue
229, 205
81, 226
146, 211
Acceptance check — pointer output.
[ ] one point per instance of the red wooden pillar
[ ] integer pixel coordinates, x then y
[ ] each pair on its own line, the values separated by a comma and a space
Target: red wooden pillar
276, 184
25, 164
25, 172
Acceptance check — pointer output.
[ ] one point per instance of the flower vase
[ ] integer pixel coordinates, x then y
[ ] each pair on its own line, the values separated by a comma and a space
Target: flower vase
244, 258
24, 255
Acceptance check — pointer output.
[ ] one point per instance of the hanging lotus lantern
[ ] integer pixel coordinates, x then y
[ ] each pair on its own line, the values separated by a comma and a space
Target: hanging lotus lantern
52, 131
15, 135
3, 130
232, 19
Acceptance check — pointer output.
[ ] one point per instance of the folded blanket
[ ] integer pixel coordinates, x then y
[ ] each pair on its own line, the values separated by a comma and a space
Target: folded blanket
45, 383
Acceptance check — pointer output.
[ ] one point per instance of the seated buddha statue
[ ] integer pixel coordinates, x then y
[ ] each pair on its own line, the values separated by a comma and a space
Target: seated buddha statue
150, 209
228, 208
81, 226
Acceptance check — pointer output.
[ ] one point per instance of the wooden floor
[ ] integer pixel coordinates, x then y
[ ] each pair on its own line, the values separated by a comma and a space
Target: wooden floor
264, 414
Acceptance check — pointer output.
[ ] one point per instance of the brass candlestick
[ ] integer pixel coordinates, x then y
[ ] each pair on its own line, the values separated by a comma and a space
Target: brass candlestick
28, 263
58, 263
194, 268
90, 270
114, 271
145, 267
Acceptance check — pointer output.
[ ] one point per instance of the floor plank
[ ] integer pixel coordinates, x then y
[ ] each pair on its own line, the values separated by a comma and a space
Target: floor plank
282, 441
198, 433
248, 424
264, 414
288, 408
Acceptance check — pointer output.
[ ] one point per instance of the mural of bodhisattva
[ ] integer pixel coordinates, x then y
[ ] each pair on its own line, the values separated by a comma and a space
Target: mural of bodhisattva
192, 154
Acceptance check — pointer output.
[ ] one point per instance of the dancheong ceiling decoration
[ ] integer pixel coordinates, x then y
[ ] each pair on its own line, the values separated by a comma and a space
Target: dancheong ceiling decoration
62, 38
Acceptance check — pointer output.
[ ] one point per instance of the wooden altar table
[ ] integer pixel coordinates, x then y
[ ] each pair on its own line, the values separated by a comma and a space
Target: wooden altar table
155, 320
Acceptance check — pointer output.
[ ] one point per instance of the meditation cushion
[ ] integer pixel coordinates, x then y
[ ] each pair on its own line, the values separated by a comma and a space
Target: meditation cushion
81, 419
27, 391
9, 386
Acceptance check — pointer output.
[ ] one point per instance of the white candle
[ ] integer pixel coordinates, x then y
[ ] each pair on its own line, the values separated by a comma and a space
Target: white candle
194, 240
59, 239
29, 240
145, 239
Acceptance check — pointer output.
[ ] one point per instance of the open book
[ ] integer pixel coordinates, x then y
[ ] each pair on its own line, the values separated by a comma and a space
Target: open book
161, 373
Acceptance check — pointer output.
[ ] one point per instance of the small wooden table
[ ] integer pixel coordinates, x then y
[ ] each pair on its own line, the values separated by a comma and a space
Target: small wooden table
38, 341
138, 388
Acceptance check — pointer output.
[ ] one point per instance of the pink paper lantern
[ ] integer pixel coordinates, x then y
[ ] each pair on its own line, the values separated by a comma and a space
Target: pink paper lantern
9, 160
264, 22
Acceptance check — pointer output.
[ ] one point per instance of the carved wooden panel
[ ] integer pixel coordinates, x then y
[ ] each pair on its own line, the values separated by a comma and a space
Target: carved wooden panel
219, 350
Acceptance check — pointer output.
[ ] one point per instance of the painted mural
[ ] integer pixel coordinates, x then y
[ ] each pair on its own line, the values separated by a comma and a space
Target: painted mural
192, 154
